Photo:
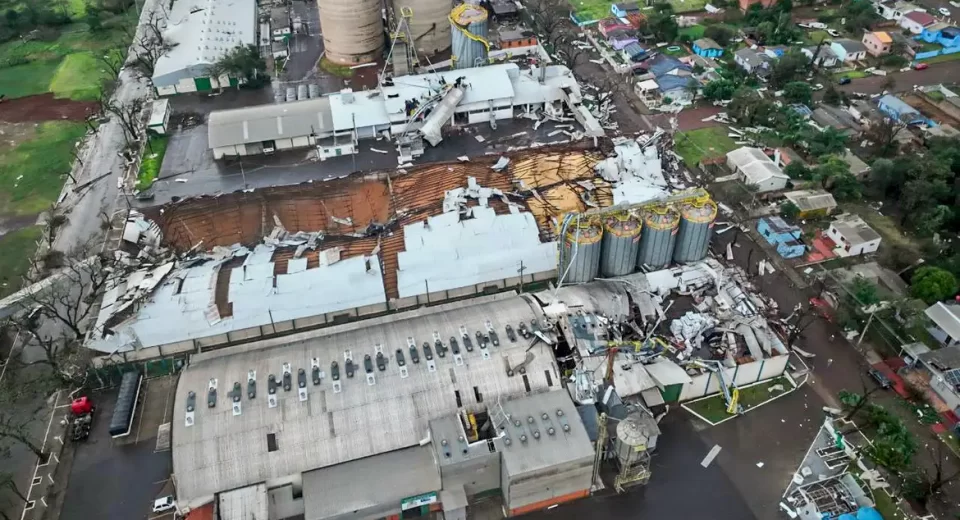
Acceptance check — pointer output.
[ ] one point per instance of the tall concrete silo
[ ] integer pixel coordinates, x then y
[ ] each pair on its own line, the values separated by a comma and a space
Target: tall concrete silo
470, 46
695, 230
620, 244
659, 236
352, 30
428, 25
581, 251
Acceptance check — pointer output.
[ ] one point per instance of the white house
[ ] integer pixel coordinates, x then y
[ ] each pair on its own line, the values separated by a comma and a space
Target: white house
751, 60
848, 50
916, 21
852, 236
894, 10
826, 58
944, 367
945, 318
280, 22
754, 168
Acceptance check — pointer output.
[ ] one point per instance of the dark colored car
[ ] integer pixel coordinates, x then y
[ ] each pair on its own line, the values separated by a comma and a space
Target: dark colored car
880, 378
844, 81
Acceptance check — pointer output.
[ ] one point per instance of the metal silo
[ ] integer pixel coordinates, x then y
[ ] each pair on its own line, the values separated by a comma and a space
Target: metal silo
352, 30
659, 236
428, 25
620, 244
470, 45
696, 228
580, 250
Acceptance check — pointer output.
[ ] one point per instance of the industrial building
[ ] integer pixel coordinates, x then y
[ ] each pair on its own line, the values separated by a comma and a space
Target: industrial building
754, 168
335, 123
199, 34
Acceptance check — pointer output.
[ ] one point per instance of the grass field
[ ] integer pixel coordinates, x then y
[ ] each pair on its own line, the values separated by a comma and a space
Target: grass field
31, 173
593, 10
714, 409
852, 74
815, 37
694, 31
697, 145
943, 58
152, 160
79, 77
67, 66
15, 249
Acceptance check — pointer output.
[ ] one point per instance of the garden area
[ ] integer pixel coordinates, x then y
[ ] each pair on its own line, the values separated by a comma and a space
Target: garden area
596, 10
16, 248
152, 160
714, 409
32, 172
705, 143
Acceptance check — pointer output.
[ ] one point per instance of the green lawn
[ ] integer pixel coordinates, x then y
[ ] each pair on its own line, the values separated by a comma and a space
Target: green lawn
852, 74
16, 248
79, 77
31, 175
694, 31
704, 143
943, 58
686, 6
714, 409
27, 80
936, 95
886, 506
152, 160
593, 10
815, 37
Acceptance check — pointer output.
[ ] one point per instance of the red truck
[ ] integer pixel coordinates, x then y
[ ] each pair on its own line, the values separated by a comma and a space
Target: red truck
81, 410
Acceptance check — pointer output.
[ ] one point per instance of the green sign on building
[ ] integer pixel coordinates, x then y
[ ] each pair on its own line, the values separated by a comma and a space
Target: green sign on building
418, 501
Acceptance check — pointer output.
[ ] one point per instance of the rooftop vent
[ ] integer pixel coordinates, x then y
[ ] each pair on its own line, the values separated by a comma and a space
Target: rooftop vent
236, 395
191, 408
272, 391
402, 363
511, 335
381, 362
414, 354
428, 354
350, 368
368, 368
212, 393
315, 372
251, 384
302, 385
335, 376
524, 331
287, 378
465, 337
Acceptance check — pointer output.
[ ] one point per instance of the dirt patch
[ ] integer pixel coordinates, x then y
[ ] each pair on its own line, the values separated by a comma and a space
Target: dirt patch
12, 134
45, 107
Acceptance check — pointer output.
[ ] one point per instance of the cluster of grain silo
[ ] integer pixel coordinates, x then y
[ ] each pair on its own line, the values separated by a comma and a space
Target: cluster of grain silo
428, 25
623, 241
580, 250
352, 30
469, 27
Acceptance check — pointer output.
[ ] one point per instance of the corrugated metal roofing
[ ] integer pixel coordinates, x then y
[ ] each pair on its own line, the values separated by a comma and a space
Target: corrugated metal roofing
269, 122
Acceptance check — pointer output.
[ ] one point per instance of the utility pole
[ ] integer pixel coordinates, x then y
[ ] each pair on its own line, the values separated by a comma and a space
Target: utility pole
867, 326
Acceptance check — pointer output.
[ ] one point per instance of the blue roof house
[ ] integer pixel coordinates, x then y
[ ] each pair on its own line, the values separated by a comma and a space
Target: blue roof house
622, 9
662, 64
931, 33
784, 236
896, 109
949, 37
677, 87
707, 48
634, 52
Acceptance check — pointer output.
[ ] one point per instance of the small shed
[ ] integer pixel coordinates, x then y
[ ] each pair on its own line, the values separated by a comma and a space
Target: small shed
853, 236
812, 203
707, 48
857, 166
785, 237
159, 116
622, 9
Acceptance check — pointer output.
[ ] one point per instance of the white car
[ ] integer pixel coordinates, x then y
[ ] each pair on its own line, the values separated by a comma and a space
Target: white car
818, 86
833, 32
162, 505
944, 11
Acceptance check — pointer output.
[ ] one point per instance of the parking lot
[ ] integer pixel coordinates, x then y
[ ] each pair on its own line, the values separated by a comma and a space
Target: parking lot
121, 478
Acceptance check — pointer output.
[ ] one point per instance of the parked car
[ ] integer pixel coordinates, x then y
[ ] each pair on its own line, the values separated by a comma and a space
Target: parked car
817, 86
833, 32
944, 11
162, 505
880, 378
844, 81
921, 66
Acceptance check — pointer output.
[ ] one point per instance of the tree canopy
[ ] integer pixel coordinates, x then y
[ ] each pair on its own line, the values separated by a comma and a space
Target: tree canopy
933, 284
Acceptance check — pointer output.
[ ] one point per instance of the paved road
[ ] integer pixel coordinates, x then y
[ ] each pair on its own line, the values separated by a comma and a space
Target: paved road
946, 73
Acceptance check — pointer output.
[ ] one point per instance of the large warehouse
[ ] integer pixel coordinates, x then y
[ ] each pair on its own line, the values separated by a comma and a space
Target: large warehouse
200, 32
389, 416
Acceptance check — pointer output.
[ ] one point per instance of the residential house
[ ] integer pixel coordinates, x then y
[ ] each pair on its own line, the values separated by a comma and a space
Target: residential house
931, 33
944, 368
858, 167
662, 64
878, 43
707, 48
917, 21
949, 37
852, 236
609, 26
945, 322
649, 92
775, 52
836, 118
864, 112
280, 22
745, 4
620, 39
622, 9
633, 52
848, 51
812, 203
752, 61
801, 110
894, 10
754, 168
785, 156
678, 88
785, 237
898, 110
826, 58
909, 45
279, 49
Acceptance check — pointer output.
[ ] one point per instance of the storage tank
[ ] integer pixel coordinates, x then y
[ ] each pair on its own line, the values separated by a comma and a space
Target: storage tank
659, 236
620, 244
635, 437
469, 26
695, 230
352, 30
428, 25
581, 251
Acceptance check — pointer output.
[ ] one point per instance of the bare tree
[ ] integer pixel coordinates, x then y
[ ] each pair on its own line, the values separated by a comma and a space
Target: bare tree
16, 423
127, 114
548, 18
60, 351
149, 46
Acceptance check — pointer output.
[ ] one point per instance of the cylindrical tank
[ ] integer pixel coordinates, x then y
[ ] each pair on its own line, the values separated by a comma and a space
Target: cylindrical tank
469, 26
352, 30
620, 244
301, 92
581, 251
659, 236
428, 25
634, 438
313, 90
291, 94
695, 230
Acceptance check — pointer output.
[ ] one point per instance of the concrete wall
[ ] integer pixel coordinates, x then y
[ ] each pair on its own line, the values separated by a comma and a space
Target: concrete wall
745, 374
544, 488
282, 505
